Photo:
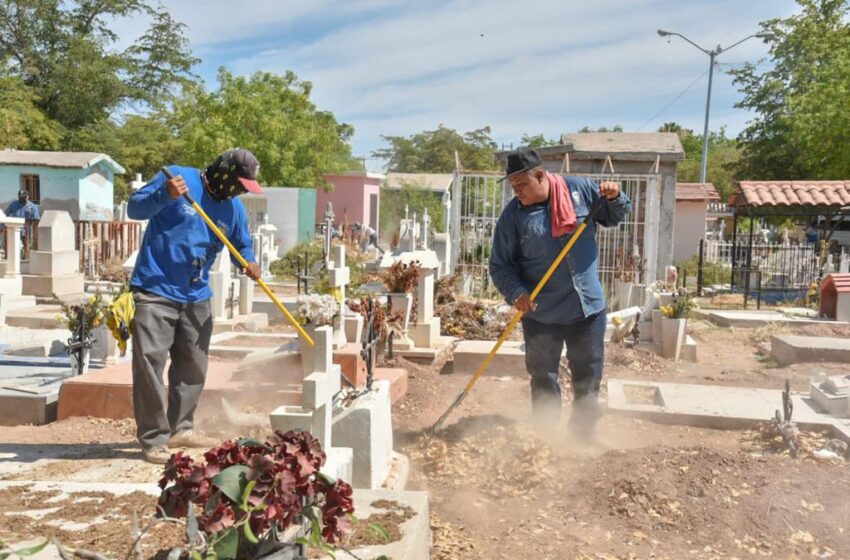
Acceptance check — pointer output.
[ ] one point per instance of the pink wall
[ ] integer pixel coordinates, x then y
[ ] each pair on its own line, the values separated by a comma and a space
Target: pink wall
351, 197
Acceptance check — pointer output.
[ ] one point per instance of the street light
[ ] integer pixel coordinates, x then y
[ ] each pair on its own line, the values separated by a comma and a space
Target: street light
712, 54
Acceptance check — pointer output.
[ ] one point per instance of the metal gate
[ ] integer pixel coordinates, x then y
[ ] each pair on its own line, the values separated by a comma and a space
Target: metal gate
628, 252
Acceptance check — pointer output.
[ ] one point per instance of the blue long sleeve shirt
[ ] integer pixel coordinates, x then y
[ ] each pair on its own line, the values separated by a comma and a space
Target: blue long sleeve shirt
178, 249
29, 210
523, 250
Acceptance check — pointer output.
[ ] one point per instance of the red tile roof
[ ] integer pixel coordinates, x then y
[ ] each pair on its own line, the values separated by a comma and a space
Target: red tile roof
696, 191
794, 193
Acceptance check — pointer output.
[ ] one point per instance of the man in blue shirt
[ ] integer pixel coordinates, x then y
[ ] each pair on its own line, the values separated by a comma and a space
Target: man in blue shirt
172, 295
23, 208
571, 307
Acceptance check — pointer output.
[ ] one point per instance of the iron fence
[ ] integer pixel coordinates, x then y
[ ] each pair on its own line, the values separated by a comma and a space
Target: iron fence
627, 252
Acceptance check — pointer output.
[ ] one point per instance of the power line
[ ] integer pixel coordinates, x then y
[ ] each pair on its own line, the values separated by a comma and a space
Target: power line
686, 90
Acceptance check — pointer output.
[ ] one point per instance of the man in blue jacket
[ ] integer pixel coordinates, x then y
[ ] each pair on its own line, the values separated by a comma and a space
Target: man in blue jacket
571, 307
23, 207
172, 295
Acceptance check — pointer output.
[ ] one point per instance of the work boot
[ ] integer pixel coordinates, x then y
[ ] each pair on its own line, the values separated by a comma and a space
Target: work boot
586, 413
192, 439
156, 455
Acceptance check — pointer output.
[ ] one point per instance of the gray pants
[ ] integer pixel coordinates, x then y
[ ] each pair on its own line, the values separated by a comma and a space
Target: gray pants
162, 327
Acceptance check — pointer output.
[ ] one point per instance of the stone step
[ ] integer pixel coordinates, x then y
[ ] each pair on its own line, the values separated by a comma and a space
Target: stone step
791, 349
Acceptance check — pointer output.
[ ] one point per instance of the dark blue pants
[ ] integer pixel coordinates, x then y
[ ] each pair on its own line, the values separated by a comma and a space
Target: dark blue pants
544, 343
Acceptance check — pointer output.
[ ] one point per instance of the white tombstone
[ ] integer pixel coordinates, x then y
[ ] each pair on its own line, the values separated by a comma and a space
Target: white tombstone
246, 295
267, 253
220, 280
339, 276
315, 413
426, 228
55, 266
426, 331
844, 265
443, 248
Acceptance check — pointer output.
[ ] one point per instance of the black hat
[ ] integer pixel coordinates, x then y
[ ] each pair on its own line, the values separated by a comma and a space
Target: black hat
521, 161
23, 193
236, 167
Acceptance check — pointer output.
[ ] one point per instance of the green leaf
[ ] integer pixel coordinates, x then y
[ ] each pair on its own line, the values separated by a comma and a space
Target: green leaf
326, 478
227, 546
247, 494
249, 533
232, 481
31, 550
196, 555
251, 442
375, 528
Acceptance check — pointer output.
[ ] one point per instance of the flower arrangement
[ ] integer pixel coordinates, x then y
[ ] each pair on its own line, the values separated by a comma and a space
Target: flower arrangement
94, 313
247, 492
401, 278
316, 309
680, 308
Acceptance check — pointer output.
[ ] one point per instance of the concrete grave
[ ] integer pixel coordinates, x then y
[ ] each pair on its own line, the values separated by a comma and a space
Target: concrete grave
832, 395
790, 349
714, 406
54, 267
755, 318
366, 427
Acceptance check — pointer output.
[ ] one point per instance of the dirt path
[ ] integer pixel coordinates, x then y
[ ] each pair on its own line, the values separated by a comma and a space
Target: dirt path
502, 487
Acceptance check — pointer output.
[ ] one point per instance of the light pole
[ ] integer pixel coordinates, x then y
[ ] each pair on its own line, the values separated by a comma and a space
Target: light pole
712, 54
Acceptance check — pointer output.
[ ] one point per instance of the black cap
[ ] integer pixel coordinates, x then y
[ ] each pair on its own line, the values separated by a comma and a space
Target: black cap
237, 167
521, 161
23, 193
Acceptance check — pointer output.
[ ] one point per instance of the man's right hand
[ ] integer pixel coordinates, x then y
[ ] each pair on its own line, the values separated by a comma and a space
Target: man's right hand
176, 187
523, 303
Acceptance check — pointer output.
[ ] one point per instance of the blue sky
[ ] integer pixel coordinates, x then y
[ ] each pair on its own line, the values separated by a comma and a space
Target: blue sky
391, 67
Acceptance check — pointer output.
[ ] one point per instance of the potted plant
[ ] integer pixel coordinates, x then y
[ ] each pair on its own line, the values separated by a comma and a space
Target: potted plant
246, 494
674, 325
400, 280
313, 311
82, 320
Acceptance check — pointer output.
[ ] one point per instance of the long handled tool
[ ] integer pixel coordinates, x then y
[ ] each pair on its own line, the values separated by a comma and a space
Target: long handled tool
223, 238
518, 315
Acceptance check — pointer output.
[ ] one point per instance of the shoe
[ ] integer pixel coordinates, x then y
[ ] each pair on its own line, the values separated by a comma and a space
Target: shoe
156, 455
192, 439
586, 413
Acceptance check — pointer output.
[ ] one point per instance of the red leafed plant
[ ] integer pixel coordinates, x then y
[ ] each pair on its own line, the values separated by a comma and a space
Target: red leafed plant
248, 492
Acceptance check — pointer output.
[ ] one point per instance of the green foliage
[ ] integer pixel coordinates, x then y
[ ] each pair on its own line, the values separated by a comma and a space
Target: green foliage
23, 126
537, 141
64, 52
723, 156
712, 273
6, 552
288, 267
433, 151
801, 128
416, 198
271, 115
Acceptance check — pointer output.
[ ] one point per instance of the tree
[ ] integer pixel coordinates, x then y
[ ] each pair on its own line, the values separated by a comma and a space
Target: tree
433, 151
22, 124
416, 198
271, 115
537, 141
615, 128
802, 128
63, 51
723, 156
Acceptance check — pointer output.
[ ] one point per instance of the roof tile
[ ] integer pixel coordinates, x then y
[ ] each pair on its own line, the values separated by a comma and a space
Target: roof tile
795, 193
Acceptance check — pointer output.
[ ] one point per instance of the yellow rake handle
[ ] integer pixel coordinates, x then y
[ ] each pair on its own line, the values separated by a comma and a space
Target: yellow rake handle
223, 238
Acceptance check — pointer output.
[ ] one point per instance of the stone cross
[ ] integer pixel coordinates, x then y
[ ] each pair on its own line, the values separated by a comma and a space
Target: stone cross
329, 225
220, 279
339, 277
426, 228
426, 331
267, 246
318, 390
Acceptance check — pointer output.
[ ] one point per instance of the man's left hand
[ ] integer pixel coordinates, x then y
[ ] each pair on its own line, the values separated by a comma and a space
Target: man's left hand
253, 271
610, 189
